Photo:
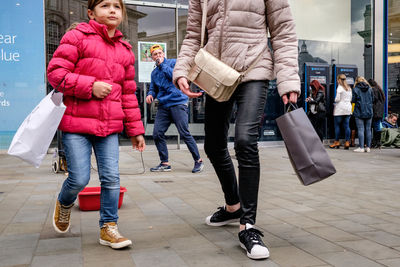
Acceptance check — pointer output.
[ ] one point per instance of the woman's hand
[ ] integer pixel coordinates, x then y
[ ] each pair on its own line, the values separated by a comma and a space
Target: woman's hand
184, 87
138, 142
292, 98
101, 89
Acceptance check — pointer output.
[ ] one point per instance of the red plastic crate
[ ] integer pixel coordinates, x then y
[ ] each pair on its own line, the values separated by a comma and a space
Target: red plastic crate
89, 198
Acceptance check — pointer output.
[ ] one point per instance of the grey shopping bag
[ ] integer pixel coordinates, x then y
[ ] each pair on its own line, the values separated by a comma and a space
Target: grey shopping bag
307, 154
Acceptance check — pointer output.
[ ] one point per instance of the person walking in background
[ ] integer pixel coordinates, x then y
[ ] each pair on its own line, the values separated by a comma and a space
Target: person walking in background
363, 98
172, 107
316, 107
95, 68
379, 111
238, 36
342, 111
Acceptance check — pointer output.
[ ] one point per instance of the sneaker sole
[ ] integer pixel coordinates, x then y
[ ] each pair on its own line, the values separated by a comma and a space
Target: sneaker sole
259, 257
54, 223
161, 170
208, 222
115, 245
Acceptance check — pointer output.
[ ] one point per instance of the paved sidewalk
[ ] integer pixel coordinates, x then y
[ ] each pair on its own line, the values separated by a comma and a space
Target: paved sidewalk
350, 219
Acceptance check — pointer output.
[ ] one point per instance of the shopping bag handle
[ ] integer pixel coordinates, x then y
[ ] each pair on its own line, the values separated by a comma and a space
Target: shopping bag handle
56, 89
290, 107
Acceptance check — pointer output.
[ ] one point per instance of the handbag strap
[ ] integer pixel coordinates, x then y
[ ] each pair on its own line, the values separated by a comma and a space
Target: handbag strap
203, 23
203, 32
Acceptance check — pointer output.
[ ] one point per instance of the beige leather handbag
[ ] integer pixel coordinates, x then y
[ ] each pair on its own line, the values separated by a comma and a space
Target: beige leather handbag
212, 75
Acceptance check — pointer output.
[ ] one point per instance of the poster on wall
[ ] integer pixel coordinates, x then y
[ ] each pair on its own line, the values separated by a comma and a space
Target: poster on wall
146, 64
22, 63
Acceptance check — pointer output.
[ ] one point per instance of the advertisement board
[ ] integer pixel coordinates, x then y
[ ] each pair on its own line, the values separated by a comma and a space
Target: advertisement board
146, 64
22, 63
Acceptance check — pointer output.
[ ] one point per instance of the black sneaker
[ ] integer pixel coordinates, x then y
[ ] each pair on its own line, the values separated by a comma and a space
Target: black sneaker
250, 240
222, 217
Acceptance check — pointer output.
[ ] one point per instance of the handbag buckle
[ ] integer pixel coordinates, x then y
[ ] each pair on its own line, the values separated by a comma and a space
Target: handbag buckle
198, 69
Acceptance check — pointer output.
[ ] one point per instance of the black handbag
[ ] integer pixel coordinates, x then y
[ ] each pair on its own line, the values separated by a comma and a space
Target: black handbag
307, 154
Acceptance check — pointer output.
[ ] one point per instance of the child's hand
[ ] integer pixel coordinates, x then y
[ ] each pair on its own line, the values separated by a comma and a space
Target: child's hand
138, 142
101, 89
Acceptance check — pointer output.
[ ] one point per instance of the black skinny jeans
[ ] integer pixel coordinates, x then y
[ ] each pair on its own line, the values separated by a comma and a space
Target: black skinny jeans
250, 98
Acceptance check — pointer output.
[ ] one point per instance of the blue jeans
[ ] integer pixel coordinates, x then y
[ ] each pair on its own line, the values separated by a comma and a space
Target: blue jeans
78, 151
339, 121
165, 116
364, 125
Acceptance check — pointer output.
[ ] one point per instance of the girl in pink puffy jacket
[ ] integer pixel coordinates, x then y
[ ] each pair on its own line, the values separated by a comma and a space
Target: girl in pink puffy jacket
95, 68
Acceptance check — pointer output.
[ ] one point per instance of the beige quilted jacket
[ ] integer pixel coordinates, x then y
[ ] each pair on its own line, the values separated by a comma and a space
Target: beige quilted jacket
236, 33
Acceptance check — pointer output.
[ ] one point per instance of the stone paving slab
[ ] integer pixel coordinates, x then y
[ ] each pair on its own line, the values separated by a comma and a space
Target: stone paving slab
349, 219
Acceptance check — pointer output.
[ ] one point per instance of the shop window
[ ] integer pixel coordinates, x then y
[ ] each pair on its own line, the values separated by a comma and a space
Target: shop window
54, 4
394, 58
84, 15
53, 38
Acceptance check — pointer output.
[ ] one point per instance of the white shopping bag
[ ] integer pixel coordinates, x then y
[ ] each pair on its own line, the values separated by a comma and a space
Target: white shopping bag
33, 137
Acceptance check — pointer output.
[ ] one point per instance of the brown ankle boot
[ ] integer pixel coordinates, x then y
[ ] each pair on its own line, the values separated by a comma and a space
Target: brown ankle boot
335, 144
346, 145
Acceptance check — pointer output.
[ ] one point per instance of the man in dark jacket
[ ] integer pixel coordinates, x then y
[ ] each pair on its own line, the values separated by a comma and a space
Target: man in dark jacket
379, 110
172, 107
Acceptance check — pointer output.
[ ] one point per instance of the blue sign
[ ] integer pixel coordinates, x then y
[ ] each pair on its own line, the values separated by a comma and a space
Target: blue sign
22, 63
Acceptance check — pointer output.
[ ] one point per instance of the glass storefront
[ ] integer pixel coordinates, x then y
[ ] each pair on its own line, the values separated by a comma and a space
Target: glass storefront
334, 33
394, 56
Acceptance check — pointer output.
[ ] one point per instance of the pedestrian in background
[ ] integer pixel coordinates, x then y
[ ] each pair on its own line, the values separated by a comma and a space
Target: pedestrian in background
379, 111
172, 107
342, 111
363, 98
237, 34
316, 107
95, 68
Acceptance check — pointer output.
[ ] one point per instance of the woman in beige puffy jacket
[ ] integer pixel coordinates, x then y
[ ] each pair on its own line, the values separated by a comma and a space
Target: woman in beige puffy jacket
237, 33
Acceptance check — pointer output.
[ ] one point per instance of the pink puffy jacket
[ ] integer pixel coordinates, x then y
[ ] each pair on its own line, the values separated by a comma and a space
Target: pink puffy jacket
85, 55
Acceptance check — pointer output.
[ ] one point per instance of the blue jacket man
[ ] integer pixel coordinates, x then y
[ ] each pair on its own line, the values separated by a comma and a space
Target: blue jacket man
172, 107
162, 88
